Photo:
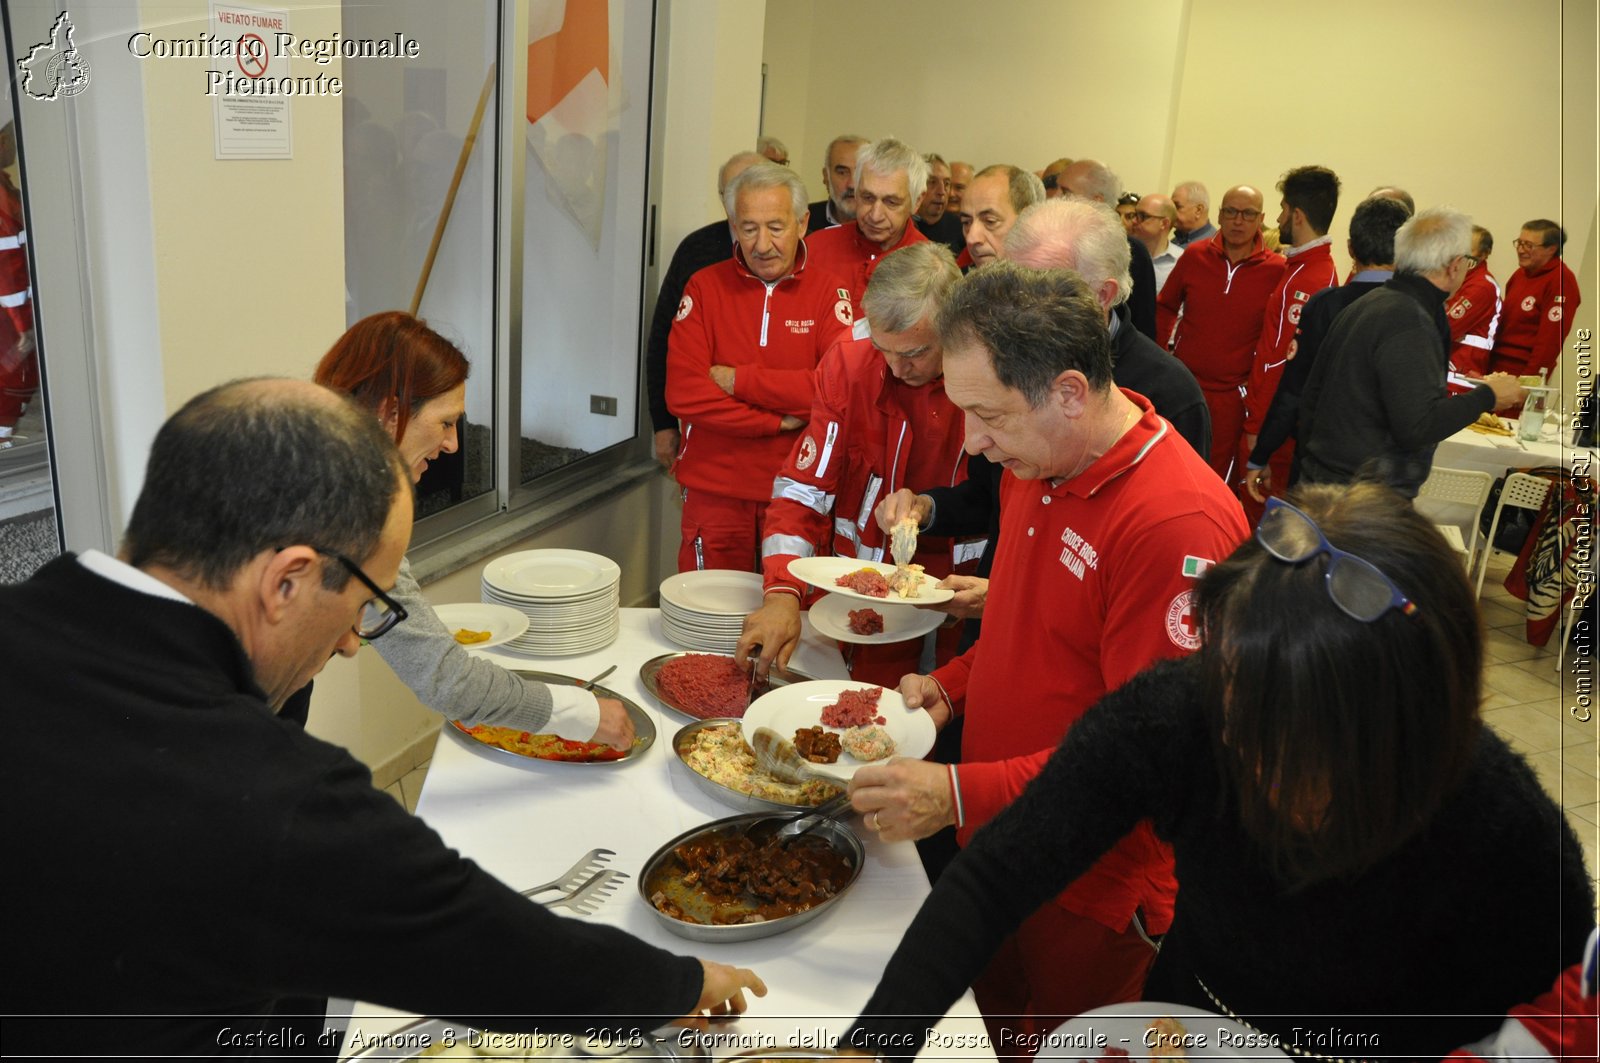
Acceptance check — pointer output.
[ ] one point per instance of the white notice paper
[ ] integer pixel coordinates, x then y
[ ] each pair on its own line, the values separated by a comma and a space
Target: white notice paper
250, 126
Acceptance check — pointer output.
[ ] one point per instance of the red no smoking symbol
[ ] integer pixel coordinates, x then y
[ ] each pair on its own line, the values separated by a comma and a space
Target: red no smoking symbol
252, 55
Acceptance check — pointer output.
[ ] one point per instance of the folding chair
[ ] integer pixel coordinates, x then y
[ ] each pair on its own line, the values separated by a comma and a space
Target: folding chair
1451, 493
1521, 490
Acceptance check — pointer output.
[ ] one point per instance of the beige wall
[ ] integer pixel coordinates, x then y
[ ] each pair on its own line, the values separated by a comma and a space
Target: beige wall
249, 254
1448, 98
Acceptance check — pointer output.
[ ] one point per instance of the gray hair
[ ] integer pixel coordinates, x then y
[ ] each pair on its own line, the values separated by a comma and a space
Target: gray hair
1023, 186
843, 138
1196, 192
1075, 234
766, 144
1103, 183
258, 465
934, 157
738, 159
1430, 240
888, 157
767, 174
1034, 325
910, 285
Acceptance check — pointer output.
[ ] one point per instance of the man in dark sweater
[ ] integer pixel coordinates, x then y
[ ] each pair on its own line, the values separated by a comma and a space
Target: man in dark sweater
204, 870
1090, 179
1371, 248
706, 246
1375, 405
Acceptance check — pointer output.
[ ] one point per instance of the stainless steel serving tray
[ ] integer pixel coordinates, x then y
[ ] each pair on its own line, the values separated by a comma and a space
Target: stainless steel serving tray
412, 1040
644, 728
722, 792
836, 834
777, 677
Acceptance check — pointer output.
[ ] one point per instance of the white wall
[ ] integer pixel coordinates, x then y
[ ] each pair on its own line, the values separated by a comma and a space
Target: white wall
1487, 105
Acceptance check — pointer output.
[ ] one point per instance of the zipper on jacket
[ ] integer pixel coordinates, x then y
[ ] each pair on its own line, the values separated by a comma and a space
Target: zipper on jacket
766, 312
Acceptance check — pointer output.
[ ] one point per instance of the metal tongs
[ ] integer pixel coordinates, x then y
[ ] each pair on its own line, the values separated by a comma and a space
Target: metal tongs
583, 887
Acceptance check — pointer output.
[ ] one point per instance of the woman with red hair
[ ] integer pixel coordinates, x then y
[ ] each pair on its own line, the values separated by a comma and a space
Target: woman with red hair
415, 382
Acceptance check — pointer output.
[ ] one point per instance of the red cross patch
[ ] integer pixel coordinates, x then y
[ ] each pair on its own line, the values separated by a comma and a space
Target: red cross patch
1183, 625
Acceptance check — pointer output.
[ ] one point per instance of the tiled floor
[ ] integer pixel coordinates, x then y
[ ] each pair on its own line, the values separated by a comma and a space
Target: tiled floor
1522, 700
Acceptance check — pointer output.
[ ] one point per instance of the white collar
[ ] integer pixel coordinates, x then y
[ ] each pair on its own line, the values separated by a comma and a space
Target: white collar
121, 572
1308, 245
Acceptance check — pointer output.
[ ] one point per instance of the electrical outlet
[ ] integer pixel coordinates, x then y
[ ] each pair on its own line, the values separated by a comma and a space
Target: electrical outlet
603, 404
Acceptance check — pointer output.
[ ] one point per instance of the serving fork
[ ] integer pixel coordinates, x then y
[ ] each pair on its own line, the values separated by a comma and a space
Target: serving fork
574, 877
591, 895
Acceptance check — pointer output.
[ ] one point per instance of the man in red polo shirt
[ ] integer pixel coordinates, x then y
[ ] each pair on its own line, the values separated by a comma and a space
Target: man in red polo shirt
1541, 299
1474, 311
1305, 213
881, 422
1106, 517
1221, 286
890, 180
741, 366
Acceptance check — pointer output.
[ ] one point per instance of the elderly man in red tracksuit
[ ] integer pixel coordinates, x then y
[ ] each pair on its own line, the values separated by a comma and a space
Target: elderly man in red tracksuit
1474, 311
1541, 299
741, 366
890, 180
1107, 516
1221, 286
1310, 196
880, 422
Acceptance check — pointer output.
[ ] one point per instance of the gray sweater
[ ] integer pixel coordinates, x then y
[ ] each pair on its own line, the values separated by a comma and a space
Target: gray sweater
463, 687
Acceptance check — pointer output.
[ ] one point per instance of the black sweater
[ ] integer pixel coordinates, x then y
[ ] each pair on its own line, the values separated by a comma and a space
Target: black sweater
1375, 404
1476, 913
177, 851
706, 246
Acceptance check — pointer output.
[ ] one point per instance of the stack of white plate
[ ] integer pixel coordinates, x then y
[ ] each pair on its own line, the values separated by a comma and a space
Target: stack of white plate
706, 610
570, 597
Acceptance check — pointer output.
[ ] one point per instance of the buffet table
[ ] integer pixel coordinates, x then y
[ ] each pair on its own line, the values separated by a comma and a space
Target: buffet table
527, 821
1494, 454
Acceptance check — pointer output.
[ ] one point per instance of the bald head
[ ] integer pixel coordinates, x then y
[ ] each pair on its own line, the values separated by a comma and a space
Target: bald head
1153, 222
1091, 179
735, 166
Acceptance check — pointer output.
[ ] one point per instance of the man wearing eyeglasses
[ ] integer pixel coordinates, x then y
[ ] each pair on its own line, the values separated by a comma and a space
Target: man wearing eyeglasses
1541, 299
211, 869
1153, 219
1474, 311
1221, 286
1375, 406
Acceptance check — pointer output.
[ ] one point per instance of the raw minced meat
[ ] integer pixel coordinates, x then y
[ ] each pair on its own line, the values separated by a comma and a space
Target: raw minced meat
868, 581
855, 708
705, 685
867, 621
867, 743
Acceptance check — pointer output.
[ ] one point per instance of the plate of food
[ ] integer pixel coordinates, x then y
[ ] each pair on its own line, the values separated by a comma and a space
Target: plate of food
848, 620
518, 745
871, 581
853, 723
1153, 1030
482, 624
721, 764
707, 686
722, 881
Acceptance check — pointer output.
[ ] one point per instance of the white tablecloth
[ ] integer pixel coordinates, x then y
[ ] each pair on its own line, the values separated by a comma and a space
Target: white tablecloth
527, 822
1495, 454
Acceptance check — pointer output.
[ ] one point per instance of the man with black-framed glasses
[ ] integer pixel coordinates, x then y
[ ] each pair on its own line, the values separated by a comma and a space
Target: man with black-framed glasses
1541, 299
240, 870
1221, 287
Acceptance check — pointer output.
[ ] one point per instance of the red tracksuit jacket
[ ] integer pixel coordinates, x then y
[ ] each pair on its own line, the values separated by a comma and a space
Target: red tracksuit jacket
1307, 271
843, 251
1534, 321
1222, 304
774, 335
1474, 313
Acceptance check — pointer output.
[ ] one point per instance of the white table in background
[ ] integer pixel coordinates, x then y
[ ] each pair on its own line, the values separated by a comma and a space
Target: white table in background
527, 821
1494, 454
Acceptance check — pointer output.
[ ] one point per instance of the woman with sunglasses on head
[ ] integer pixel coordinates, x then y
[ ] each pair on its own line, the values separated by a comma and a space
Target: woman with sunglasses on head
1365, 870
415, 382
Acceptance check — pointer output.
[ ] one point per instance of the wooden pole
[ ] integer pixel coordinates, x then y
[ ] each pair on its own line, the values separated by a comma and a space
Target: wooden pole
455, 183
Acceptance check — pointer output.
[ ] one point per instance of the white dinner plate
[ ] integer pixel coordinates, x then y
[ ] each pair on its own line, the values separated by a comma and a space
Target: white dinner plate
787, 709
831, 616
824, 571
714, 592
502, 622
1124, 1026
551, 574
